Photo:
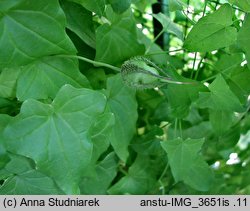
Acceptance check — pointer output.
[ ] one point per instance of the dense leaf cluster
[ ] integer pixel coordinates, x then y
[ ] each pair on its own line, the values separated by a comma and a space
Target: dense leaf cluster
69, 125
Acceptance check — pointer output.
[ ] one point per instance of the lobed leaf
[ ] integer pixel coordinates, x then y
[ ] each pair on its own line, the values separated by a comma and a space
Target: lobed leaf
8, 78
243, 39
23, 179
228, 63
140, 179
180, 98
117, 42
4, 157
213, 31
79, 20
43, 78
221, 120
186, 164
46, 35
121, 102
243, 4
100, 177
239, 83
219, 97
57, 135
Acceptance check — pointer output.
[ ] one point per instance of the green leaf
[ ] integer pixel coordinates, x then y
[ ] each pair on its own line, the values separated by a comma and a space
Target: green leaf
79, 20
43, 78
220, 97
243, 4
122, 102
221, 120
194, 126
200, 130
30, 31
56, 136
101, 132
101, 176
115, 44
120, 6
83, 50
186, 164
125, 20
24, 180
239, 83
9, 106
200, 176
180, 98
213, 31
96, 77
227, 63
29, 183
194, 117
8, 79
229, 139
140, 179
19, 164
4, 158
97, 6
169, 25
4, 121
149, 144
118, 42
181, 155
244, 38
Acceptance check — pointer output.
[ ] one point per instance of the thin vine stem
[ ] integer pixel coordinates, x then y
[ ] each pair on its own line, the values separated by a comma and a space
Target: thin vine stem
194, 62
199, 66
158, 35
164, 52
198, 69
204, 9
186, 15
211, 65
186, 21
175, 127
210, 78
180, 126
164, 172
123, 171
195, 57
98, 64
161, 177
171, 187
